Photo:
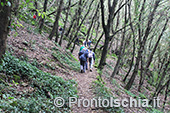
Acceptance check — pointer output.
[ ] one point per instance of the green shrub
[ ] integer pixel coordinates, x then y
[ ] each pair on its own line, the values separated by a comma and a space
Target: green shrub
105, 93
40, 81
66, 59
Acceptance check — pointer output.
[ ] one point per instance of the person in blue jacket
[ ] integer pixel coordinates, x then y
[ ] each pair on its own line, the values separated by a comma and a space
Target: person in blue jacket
91, 57
89, 43
83, 57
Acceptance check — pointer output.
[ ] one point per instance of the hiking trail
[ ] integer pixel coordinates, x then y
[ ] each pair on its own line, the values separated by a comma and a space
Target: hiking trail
85, 91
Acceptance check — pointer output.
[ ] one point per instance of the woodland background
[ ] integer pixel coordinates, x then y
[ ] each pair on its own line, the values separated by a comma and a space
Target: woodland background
131, 40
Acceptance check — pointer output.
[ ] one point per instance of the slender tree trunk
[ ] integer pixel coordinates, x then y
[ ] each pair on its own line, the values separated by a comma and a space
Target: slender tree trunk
76, 27
106, 28
142, 44
71, 24
42, 19
5, 14
116, 68
55, 26
57, 19
16, 6
97, 29
134, 46
65, 22
91, 36
36, 7
151, 56
88, 32
162, 64
71, 37
166, 93
162, 77
79, 26
98, 41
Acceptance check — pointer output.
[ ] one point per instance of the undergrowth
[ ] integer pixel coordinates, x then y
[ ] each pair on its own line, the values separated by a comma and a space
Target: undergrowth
66, 59
14, 100
105, 93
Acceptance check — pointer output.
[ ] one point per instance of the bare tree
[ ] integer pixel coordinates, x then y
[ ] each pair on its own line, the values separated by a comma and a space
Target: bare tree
55, 26
5, 14
41, 22
142, 44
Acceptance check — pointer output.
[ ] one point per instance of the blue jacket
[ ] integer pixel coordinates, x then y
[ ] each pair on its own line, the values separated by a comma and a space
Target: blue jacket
83, 55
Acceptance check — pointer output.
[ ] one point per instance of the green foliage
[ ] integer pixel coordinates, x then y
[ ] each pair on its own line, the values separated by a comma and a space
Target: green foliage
115, 56
84, 28
40, 81
130, 93
152, 110
16, 77
104, 93
66, 59
142, 95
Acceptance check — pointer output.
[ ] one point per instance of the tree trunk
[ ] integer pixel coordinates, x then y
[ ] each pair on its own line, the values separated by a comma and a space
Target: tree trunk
134, 45
97, 29
71, 25
65, 22
5, 14
121, 47
166, 93
88, 32
16, 6
42, 19
98, 41
36, 7
162, 77
79, 26
106, 28
142, 44
151, 56
55, 26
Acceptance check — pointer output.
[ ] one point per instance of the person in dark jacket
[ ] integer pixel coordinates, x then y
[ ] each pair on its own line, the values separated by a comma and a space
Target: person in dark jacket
77, 41
83, 57
60, 29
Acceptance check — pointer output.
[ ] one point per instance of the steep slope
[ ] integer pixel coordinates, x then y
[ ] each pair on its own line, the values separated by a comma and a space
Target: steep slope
49, 57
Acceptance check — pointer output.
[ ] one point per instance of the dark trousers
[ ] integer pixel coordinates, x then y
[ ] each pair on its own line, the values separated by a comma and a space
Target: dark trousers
83, 65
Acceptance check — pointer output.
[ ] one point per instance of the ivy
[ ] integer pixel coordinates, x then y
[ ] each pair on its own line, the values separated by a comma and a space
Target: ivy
40, 81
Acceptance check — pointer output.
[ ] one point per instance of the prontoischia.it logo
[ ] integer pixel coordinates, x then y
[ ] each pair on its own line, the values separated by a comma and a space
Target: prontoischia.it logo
109, 102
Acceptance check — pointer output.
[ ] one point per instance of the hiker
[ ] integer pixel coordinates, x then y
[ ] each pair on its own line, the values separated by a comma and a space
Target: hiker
77, 41
60, 29
34, 17
85, 43
83, 57
81, 48
91, 57
89, 43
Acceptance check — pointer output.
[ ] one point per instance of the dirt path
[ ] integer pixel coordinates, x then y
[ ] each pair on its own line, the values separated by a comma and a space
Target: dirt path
84, 81
85, 91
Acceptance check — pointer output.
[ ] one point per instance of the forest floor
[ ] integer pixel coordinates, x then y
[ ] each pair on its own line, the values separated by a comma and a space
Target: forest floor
32, 46
35, 46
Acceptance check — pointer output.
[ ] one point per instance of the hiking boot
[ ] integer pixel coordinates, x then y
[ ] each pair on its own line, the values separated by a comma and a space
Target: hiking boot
82, 71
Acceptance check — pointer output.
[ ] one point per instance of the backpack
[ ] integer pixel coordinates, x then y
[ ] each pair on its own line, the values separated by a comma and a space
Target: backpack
90, 54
